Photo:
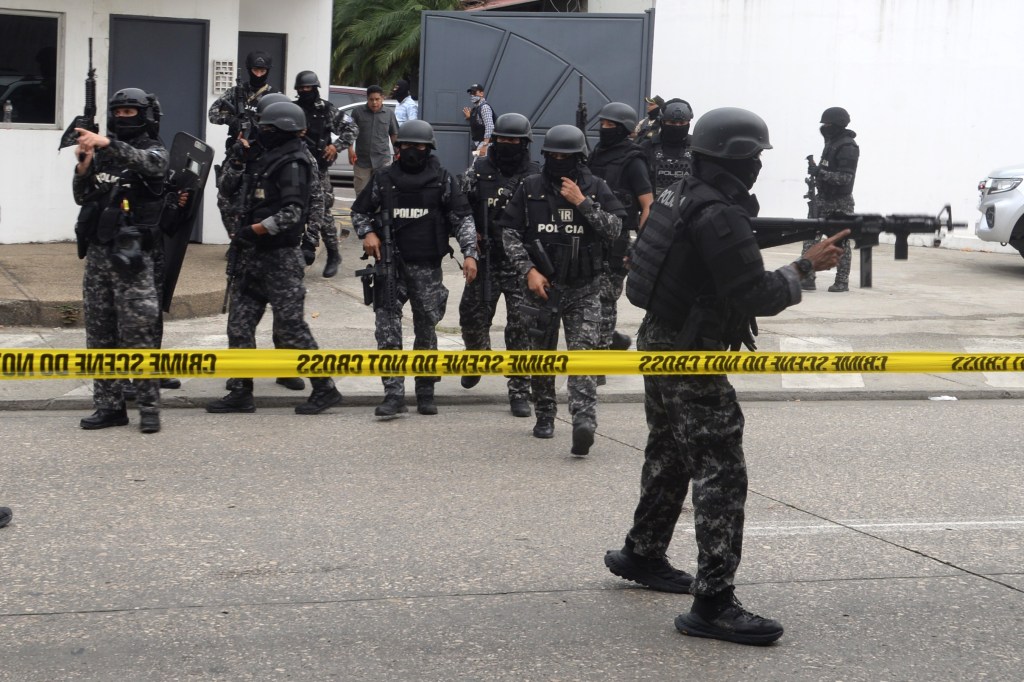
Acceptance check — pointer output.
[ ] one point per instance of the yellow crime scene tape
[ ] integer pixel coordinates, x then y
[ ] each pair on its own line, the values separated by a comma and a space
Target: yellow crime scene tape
27, 363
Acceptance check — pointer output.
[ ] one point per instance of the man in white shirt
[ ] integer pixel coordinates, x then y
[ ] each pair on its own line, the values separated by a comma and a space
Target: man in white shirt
407, 109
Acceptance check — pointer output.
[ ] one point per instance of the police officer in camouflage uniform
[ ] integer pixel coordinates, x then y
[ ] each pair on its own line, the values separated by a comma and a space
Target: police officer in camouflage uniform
489, 184
697, 271
270, 266
620, 163
564, 216
119, 182
833, 177
426, 207
236, 109
320, 118
668, 151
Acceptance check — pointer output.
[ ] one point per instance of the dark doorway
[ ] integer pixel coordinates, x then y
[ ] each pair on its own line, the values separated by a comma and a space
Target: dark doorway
274, 44
167, 57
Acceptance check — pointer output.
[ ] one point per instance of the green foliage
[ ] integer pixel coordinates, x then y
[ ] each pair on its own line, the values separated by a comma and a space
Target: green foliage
378, 41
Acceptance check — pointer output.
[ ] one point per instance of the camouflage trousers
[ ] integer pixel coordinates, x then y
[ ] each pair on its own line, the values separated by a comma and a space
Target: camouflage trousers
827, 207
229, 206
476, 316
421, 284
121, 311
321, 220
695, 435
611, 290
272, 277
581, 319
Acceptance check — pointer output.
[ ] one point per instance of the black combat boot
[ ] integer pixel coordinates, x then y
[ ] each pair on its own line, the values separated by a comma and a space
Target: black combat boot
807, 284
655, 574
520, 407
582, 437
170, 383
292, 383
104, 418
239, 400
425, 403
333, 261
149, 420
620, 341
545, 426
722, 616
839, 287
321, 398
391, 406
469, 381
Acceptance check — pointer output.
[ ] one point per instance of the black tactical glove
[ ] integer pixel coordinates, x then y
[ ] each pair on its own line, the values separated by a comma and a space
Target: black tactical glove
246, 235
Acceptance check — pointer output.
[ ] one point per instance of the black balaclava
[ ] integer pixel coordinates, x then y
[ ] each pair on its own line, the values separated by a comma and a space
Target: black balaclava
556, 169
612, 136
129, 127
401, 90
745, 170
654, 113
413, 159
508, 157
257, 82
829, 130
271, 138
674, 135
307, 98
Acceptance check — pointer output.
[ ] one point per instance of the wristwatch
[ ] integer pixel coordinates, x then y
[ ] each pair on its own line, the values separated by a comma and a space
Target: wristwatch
804, 266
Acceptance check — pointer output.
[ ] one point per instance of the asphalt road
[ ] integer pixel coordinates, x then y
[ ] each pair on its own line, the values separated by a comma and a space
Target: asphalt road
888, 537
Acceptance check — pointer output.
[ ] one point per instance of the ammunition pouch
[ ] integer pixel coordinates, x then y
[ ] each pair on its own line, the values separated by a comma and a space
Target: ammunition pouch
86, 226
126, 252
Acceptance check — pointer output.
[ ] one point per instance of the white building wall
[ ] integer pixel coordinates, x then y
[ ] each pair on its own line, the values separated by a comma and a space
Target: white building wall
622, 6
35, 181
929, 84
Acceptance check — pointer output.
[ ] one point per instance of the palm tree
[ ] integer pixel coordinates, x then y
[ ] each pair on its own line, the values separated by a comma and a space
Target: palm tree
378, 41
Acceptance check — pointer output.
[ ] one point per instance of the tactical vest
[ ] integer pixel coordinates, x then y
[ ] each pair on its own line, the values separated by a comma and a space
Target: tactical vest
417, 213
476, 122
563, 231
839, 154
489, 182
609, 165
318, 131
667, 169
282, 176
249, 99
144, 196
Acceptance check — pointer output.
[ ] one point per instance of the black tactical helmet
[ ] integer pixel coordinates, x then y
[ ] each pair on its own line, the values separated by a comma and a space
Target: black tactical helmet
677, 111
271, 98
730, 133
147, 104
513, 125
619, 112
258, 60
285, 116
306, 78
836, 116
416, 131
565, 139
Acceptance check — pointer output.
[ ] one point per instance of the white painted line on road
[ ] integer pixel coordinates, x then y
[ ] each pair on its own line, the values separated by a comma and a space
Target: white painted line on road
998, 345
818, 344
902, 526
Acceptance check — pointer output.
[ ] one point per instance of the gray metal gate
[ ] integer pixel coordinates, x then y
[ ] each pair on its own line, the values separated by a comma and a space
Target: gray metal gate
529, 63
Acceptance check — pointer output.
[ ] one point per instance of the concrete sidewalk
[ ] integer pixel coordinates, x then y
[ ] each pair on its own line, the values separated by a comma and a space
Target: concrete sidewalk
938, 300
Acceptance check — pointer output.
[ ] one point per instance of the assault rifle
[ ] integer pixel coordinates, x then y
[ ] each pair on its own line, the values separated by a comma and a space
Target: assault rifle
543, 321
864, 230
812, 189
581, 111
380, 280
244, 116
87, 119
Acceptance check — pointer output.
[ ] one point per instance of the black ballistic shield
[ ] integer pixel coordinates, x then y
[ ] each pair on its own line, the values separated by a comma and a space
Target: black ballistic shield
190, 163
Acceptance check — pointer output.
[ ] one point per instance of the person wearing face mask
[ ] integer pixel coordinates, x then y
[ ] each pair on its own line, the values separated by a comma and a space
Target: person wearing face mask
668, 151
236, 109
697, 271
648, 126
407, 109
119, 183
426, 208
564, 215
834, 176
270, 271
489, 184
320, 118
481, 119
621, 163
